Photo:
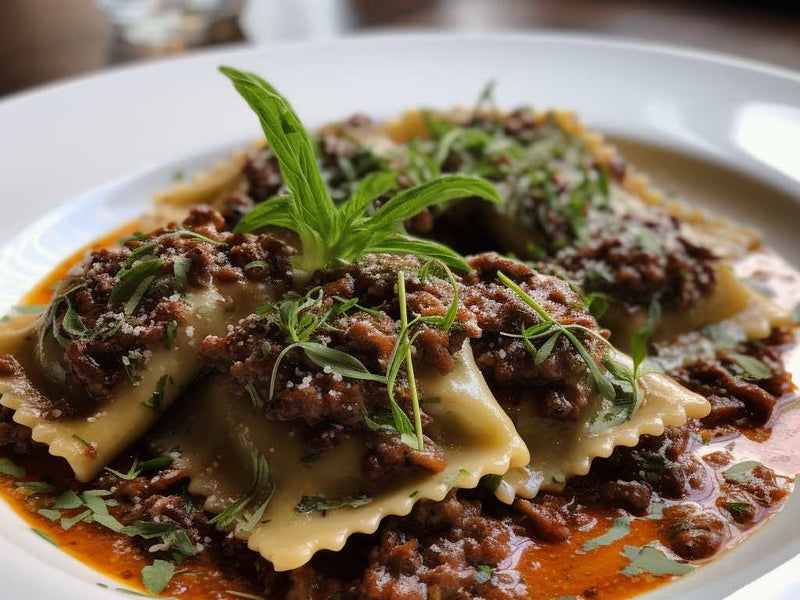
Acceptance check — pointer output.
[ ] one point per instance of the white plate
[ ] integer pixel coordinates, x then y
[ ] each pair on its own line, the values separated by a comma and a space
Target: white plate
738, 121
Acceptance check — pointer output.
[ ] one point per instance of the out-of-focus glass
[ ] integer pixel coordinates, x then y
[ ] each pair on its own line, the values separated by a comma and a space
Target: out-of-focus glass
172, 25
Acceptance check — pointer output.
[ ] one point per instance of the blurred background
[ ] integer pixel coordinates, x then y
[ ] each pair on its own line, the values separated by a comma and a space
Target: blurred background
46, 40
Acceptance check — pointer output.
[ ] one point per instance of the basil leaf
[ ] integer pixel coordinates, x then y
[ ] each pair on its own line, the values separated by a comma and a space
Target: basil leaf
338, 362
68, 500
156, 577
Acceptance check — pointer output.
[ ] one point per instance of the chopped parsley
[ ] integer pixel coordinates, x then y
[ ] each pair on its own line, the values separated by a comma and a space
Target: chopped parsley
320, 503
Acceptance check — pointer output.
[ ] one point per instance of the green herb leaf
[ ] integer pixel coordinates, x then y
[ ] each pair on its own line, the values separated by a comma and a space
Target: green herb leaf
69, 523
620, 528
451, 481
7, 467
741, 472
181, 266
738, 509
643, 334
169, 334
170, 534
156, 400
133, 283
338, 362
409, 202
275, 212
49, 513
156, 577
546, 349
319, 503
491, 482
652, 560
752, 367
35, 487
483, 573
406, 244
44, 536
68, 500
370, 188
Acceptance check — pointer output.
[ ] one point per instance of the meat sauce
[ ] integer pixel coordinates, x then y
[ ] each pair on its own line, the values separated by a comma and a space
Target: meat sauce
550, 570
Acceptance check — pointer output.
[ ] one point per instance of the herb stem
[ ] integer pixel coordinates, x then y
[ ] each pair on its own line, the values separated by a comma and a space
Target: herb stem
412, 382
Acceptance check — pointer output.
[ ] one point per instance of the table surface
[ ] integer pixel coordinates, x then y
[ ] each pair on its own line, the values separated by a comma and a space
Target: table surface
46, 40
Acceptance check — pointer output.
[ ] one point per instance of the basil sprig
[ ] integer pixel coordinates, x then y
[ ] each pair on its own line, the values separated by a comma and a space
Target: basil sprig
331, 234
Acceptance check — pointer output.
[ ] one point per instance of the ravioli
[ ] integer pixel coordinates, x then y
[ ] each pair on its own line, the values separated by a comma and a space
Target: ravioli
91, 442
216, 432
561, 449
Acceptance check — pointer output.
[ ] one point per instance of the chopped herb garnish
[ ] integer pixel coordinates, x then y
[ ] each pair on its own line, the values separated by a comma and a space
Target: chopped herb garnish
35, 487
491, 482
132, 284
156, 400
739, 510
169, 334
483, 573
180, 269
170, 534
338, 362
256, 264
310, 504
751, 367
44, 536
451, 481
262, 486
620, 528
255, 397
49, 513
652, 560
156, 577
69, 523
7, 467
68, 500
741, 472
82, 440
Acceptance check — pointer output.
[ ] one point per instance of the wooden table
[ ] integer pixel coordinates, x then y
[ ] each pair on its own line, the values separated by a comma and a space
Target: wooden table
46, 40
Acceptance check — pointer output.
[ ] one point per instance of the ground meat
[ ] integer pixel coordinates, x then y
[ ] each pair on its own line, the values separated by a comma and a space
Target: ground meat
387, 452
505, 360
662, 462
103, 341
632, 496
694, 533
546, 520
735, 398
332, 406
672, 269
444, 550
